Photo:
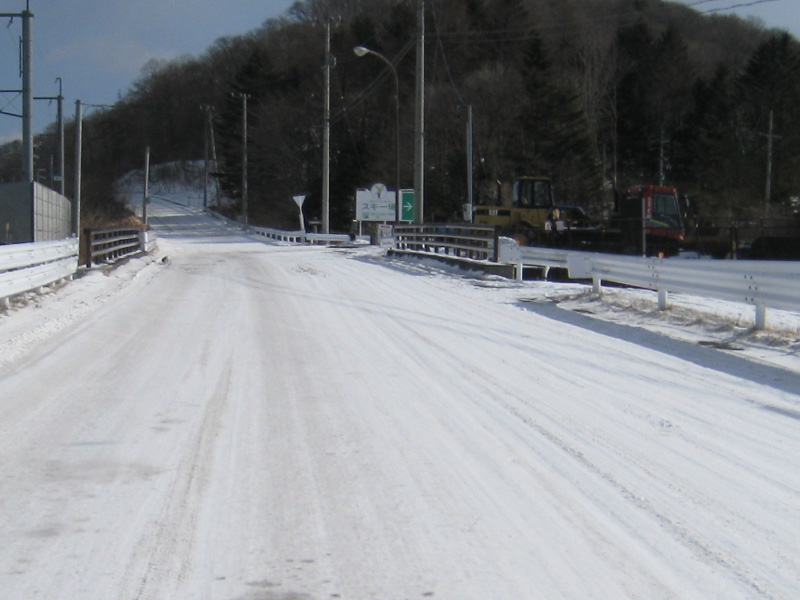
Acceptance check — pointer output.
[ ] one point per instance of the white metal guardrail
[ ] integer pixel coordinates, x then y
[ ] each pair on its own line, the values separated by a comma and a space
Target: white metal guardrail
297, 236
26, 267
278, 234
148, 241
528, 256
763, 284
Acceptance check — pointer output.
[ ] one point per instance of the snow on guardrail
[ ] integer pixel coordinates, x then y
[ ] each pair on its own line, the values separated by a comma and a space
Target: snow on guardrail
30, 266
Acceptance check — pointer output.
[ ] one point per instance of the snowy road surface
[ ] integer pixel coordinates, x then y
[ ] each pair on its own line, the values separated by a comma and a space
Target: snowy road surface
266, 422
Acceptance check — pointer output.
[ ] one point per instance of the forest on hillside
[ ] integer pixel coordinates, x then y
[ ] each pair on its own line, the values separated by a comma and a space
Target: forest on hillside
596, 94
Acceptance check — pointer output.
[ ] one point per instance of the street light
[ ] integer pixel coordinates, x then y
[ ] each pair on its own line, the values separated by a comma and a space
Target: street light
363, 51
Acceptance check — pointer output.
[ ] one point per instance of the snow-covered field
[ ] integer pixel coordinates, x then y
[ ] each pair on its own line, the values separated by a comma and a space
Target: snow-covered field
238, 420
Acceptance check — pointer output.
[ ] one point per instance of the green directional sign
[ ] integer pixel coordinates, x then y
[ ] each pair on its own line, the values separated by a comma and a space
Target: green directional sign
407, 205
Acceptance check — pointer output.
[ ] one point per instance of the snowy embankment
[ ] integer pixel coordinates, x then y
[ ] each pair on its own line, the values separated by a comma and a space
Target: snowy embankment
258, 421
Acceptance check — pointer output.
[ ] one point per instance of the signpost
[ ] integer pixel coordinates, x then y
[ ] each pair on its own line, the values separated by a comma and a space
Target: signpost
376, 204
379, 204
299, 201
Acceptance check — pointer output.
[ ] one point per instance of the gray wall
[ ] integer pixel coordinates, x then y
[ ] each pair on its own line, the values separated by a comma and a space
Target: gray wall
52, 215
33, 213
16, 214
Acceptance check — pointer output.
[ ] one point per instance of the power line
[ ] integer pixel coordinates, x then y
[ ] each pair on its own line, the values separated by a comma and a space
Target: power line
731, 7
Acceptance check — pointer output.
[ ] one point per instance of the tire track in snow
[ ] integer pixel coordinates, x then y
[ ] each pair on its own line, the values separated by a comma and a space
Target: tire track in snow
705, 549
166, 548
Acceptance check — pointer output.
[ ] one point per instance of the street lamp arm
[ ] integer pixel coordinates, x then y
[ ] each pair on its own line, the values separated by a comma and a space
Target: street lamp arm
363, 51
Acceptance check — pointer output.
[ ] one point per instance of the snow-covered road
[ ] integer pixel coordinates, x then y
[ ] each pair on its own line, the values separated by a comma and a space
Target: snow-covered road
258, 421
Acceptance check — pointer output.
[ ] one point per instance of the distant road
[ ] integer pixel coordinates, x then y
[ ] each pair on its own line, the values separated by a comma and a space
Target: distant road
270, 422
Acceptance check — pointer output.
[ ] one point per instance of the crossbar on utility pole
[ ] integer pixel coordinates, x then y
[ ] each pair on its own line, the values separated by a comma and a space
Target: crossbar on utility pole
27, 91
60, 121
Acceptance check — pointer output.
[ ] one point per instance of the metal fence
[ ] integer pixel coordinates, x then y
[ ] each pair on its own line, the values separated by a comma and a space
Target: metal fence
473, 242
112, 243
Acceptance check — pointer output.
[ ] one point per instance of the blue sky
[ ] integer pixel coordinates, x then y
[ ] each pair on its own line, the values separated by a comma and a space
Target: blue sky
98, 47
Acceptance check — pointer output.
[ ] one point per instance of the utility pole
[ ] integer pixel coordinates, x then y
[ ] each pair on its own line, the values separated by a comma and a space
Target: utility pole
213, 156
244, 157
206, 144
770, 138
662, 160
326, 136
146, 195
27, 95
76, 202
468, 215
419, 114
60, 117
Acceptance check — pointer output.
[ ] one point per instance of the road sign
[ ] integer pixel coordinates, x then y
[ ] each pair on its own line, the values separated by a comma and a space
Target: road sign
407, 205
377, 204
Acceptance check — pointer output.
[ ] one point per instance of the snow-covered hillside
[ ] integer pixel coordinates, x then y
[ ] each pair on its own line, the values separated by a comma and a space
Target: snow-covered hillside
242, 420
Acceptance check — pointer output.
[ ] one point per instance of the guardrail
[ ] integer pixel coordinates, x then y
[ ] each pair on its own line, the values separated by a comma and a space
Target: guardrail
762, 284
297, 236
111, 243
31, 266
277, 234
475, 242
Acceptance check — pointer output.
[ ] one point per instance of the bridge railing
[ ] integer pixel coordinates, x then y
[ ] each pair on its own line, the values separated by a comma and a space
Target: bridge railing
111, 243
476, 242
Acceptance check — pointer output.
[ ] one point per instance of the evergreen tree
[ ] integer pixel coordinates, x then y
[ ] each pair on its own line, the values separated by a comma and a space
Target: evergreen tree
556, 140
769, 89
710, 166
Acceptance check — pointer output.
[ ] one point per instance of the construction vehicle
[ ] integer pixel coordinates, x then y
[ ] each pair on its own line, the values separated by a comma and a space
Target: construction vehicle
650, 220
646, 220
